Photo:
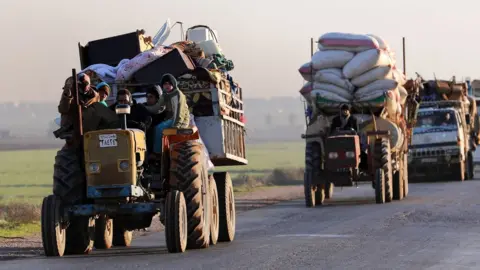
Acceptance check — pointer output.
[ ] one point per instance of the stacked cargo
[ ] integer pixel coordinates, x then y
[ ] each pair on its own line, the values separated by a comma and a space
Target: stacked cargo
355, 69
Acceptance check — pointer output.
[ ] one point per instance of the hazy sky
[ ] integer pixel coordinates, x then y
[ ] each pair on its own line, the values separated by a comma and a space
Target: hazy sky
267, 40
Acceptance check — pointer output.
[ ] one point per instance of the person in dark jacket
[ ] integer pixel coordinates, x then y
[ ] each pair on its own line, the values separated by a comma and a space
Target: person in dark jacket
344, 121
138, 113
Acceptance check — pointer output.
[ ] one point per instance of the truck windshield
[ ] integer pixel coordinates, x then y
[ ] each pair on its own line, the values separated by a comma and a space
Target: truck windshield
435, 121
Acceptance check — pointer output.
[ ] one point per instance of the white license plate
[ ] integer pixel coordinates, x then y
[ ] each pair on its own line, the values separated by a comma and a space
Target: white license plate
108, 140
429, 160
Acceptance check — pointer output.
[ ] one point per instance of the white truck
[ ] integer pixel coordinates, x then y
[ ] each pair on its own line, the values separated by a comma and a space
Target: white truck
441, 144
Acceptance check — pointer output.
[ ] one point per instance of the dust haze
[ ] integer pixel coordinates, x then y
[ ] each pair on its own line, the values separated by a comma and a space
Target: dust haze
267, 41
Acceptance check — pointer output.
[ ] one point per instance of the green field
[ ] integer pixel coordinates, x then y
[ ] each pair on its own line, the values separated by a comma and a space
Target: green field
28, 174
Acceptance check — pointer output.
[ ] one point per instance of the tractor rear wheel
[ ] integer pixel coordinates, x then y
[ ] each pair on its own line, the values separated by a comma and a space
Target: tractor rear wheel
176, 222
68, 177
379, 186
405, 175
188, 170
313, 163
215, 211
398, 182
53, 227
384, 161
226, 207
103, 233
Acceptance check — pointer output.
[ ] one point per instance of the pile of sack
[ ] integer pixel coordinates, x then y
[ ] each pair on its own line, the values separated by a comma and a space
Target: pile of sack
355, 69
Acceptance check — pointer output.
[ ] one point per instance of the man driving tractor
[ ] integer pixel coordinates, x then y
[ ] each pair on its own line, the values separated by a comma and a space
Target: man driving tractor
344, 121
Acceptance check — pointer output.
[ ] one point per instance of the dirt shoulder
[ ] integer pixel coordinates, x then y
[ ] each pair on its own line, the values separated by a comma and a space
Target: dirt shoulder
21, 247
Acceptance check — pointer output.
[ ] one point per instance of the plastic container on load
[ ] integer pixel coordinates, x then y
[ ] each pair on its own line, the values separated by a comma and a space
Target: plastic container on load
202, 34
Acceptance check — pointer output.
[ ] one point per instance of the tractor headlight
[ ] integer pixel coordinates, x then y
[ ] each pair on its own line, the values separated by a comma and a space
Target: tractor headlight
93, 168
332, 155
124, 165
350, 154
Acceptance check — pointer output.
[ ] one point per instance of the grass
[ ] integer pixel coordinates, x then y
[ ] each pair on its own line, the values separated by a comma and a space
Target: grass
26, 177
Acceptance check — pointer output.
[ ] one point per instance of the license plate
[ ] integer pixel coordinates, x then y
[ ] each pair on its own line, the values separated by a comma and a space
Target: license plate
429, 160
108, 140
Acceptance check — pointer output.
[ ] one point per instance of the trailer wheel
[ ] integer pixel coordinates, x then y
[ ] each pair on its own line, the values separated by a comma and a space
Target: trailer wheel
398, 182
379, 186
53, 227
313, 163
384, 161
405, 175
103, 233
215, 210
226, 207
176, 228
329, 190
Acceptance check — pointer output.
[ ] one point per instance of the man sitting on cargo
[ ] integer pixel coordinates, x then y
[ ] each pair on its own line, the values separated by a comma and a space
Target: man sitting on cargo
177, 113
344, 121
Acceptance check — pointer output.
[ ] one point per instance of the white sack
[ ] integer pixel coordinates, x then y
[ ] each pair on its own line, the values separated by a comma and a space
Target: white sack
403, 94
307, 88
333, 89
331, 59
370, 96
382, 44
398, 76
364, 61
328, 96
346, 42
372, 75
385, 85
328, 76
307, 71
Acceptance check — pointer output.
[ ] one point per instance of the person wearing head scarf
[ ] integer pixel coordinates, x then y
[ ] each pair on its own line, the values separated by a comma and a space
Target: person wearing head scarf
103, 90
344, 121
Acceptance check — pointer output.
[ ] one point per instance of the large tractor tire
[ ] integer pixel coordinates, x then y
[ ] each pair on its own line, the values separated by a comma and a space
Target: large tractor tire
329, 190
176, 222
68, 176
53, 227
215, 210
379, 186
313, 163
121, 236
80, 235
398, 181
226, 207
188, 170
103, 233
384, 161
405, 175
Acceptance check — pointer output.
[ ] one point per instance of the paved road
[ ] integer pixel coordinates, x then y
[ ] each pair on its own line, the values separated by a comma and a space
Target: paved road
436, 227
